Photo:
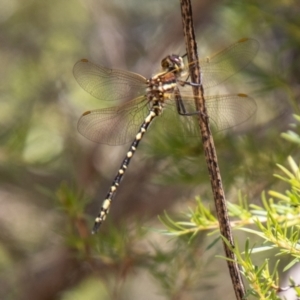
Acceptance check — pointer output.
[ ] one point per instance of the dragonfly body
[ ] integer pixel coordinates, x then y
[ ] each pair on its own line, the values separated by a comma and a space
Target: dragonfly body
129, 121
157, 88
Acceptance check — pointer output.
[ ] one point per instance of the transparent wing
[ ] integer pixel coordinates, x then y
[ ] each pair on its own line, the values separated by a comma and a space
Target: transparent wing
118, 125
224, 111
119, 85
108, 84
114, 125
227, 62
227, 111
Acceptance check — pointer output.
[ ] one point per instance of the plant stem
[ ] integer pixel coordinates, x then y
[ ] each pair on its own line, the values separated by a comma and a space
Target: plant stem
209, 148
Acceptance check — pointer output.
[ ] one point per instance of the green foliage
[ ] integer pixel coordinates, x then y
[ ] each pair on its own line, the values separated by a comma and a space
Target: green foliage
276, 223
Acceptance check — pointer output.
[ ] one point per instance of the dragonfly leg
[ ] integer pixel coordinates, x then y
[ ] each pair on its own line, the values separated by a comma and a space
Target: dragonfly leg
182, 110
185, 82
180, 106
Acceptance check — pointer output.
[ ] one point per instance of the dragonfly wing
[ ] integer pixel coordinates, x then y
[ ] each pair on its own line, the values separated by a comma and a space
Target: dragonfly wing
114, 125
108, 84
224, 111
228, 111
172, 123
227, 62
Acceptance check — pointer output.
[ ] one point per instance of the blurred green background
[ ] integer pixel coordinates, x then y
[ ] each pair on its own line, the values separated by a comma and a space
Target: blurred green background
52, 180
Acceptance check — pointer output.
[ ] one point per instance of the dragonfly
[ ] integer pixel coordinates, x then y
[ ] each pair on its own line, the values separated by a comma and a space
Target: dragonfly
165, 93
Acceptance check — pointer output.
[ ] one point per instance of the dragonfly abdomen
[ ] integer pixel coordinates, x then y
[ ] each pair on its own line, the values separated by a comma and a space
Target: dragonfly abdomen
154, 112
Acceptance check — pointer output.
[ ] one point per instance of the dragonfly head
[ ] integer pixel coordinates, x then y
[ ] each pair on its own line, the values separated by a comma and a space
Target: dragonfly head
173, 63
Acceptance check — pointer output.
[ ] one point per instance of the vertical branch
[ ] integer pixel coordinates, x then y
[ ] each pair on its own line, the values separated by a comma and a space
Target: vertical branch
209, 148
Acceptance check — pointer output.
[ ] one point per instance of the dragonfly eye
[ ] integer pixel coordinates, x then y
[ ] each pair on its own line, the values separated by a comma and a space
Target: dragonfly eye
172, 63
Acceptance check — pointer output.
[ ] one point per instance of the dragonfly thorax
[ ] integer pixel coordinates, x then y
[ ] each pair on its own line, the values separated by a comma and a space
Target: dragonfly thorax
166, 81
160, 86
